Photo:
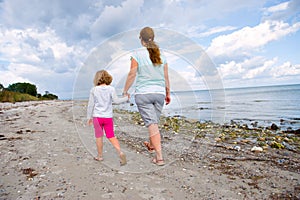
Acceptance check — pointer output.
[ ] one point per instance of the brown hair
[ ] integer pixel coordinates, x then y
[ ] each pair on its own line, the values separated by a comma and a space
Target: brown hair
101, 77
147, 36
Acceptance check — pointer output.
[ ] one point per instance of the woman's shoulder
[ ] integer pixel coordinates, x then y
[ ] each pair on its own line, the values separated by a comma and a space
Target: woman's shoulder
141, 52
163, 56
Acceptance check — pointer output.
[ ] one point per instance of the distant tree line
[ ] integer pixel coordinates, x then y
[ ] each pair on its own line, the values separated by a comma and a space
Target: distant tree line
27, 88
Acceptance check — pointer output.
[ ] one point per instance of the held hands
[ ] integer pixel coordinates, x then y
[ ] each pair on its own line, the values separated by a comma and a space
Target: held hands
126, 94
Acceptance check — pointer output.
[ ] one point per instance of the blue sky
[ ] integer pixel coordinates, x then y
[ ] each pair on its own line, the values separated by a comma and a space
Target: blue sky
49, 43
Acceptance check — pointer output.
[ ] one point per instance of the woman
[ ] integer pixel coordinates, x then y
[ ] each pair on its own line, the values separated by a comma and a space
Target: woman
152, 87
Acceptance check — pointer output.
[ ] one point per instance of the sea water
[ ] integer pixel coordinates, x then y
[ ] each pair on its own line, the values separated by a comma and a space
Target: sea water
254, 106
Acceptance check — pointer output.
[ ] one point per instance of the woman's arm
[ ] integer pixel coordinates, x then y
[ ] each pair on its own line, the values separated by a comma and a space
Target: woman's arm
167, 82
131, 75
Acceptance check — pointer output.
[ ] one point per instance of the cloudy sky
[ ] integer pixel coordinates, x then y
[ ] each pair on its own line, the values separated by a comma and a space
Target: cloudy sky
49, 43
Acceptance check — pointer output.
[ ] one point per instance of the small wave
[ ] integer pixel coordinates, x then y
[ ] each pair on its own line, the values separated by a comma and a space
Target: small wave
295, 118
204, 102
201, 108
260, 100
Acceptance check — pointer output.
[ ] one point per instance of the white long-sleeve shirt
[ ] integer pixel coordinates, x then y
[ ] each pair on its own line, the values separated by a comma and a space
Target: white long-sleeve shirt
100, 101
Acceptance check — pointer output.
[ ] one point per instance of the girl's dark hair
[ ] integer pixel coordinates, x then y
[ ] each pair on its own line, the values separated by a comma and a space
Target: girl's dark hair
147, 35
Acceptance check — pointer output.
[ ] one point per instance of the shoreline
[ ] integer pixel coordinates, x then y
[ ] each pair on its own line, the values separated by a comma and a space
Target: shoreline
285, 124
47, 153
232, 123
277, 125
233, 133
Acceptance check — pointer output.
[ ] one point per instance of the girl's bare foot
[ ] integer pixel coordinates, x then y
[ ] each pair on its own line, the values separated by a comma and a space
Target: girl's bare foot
98, 158
158, 162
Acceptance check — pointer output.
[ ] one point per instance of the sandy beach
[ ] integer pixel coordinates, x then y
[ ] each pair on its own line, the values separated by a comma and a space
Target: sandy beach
47, 153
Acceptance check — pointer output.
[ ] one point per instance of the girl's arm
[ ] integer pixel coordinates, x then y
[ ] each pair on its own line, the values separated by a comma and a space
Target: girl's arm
131, 75
90, 108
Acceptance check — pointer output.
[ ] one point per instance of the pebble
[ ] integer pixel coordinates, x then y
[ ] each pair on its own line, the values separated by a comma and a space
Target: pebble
274, 127
257, 149
287, 146
281, 161
237, 148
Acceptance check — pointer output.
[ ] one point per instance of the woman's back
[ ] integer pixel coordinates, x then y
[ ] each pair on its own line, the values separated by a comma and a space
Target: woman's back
150, 78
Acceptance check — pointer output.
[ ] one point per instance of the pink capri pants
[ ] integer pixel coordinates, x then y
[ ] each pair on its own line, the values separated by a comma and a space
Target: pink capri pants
103, 123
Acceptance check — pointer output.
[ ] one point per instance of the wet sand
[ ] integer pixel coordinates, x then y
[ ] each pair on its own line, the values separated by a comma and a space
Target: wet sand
47, 153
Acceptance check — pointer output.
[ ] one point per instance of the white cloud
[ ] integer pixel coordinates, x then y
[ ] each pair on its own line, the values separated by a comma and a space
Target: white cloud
279, 7
9, 77
49, 40
13, 45
21, 69
288, 10
71, 20
41, 77
115, 19
257, 68
38, 57
286, 69
235, 70
101, 19
260, 71
211, 31
38, 48
250, 39
231, 69
185, 78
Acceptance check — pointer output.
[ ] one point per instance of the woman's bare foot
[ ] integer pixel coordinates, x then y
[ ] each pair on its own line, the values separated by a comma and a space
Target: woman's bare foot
149, 147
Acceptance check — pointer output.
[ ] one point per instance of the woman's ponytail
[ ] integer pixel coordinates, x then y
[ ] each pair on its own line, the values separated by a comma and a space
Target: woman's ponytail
147, 36
154, 53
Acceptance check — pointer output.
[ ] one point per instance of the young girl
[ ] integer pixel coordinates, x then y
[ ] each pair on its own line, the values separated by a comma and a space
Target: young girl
100, 112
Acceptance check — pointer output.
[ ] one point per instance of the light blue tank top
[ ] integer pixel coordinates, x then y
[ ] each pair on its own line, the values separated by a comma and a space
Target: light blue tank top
150, 78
